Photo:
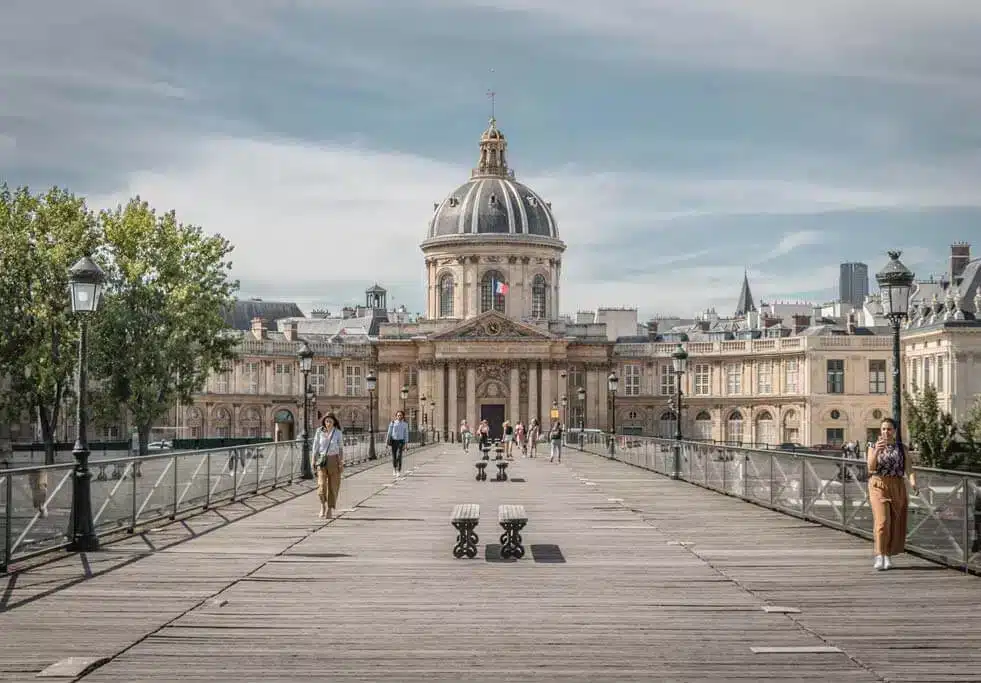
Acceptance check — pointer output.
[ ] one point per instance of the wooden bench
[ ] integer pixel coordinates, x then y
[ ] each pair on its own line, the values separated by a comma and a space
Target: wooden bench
481, 470
512, 519
464, 519
502, 470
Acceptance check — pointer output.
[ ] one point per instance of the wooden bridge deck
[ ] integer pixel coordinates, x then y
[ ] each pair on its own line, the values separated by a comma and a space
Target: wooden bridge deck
628, 576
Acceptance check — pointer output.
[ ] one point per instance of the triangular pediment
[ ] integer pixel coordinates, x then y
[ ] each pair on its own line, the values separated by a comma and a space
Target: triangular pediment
492, 326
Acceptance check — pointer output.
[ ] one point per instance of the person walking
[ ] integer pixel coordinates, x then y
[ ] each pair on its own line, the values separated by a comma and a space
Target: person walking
483, 436
888, 468
397, 437
508, 438
328, 461
520, 436
534, 434
555, 439
465, 435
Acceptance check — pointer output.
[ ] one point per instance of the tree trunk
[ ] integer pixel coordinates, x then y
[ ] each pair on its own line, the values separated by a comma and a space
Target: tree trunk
47, 435
143, 431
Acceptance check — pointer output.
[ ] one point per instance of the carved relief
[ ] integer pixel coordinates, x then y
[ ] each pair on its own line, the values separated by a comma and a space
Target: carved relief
492, 259
473, 258
526, 260
512, 259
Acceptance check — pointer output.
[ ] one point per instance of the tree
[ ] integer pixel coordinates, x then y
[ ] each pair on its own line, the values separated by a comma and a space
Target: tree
160, 330
971, 433
41, 236
932, 431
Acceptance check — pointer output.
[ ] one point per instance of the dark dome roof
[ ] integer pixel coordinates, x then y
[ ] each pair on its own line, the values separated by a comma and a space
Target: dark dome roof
493, 202
493, 205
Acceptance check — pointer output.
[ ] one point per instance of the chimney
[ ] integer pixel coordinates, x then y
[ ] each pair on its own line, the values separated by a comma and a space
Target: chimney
290, 331
651, 330
960, 256
259, 328
801, 322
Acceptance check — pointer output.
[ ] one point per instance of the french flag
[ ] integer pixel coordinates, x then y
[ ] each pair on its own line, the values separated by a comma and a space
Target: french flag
500, 287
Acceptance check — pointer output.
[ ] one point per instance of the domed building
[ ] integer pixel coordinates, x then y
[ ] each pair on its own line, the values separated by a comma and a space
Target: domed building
493, 245
493, 345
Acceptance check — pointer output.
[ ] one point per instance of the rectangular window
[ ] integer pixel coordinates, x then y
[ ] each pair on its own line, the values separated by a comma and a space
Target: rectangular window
318, 379
764, 377
576, 380
352, 380
877, 376
631, 379
927, 372
223, 382
667, 380
916, 381
283, 379
836, 376
792, 376
940, 374
734, 378
252, 378
703, 379
413, 377
834, 436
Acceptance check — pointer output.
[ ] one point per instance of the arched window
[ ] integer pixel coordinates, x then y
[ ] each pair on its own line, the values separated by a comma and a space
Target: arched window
734, 428
766, 429
539, 297
703, 426
223, 423
490, 299
666, 425
446, 285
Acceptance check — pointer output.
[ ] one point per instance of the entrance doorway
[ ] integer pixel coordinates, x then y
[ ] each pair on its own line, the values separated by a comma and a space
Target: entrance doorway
284, 426
494, 414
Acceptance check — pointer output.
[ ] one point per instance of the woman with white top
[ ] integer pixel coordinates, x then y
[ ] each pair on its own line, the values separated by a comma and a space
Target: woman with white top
397, 437
465, 435
328, 461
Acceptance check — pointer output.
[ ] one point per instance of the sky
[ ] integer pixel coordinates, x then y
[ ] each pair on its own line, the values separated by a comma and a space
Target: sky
680, 143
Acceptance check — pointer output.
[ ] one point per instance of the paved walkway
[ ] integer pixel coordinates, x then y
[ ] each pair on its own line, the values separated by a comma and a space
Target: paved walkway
629, 577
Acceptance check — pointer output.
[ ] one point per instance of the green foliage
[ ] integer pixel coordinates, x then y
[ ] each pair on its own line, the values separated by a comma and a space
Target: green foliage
933, 432
160, 330
41, 237
971, 433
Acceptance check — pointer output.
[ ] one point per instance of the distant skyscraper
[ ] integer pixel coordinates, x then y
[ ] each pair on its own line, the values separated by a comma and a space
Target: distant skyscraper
853, 283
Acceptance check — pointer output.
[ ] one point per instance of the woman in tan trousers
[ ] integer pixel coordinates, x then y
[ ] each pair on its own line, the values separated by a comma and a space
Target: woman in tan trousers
888, 467
328, 461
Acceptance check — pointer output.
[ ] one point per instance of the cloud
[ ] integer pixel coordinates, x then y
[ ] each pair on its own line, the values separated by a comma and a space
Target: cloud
792, 241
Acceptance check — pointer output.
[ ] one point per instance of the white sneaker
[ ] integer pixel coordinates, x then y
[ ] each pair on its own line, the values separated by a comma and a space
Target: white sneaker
887, 562
879, 563
395, 474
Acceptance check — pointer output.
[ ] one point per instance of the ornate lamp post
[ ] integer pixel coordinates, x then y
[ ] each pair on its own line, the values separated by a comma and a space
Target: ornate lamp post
372, 383
581, 393
85, 282
422, 430
611, 384
895, 283
565, 409
405, 395
432, 417
680, 360
305, 356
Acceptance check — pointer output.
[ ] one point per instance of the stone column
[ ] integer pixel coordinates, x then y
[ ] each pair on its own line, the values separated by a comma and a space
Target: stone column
534, 410
439, 414
423, 408
472, 417
395, 390
545, 401
515, 405
453, 420
593, 400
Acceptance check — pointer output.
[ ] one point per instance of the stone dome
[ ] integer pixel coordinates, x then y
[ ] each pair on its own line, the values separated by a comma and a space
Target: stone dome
493, 202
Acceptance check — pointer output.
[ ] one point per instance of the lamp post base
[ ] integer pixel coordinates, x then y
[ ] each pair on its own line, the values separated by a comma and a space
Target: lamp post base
371, 448
83, 538
676, 468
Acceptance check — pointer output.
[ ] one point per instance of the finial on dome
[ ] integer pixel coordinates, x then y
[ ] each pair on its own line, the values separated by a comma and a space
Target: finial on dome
493, 153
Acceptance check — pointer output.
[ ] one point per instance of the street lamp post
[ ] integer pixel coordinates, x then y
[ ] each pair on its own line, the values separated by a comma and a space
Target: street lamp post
565, 410
425, 421
611, 384
680, 360
85, 282
895, 282
405, 396
432, 418
305, 354
372, 382
581, 393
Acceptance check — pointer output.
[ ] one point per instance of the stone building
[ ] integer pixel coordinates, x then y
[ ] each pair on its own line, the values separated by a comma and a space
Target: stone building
493, 345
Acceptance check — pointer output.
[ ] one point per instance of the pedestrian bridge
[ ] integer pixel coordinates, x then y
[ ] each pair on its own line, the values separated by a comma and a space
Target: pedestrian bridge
629, 575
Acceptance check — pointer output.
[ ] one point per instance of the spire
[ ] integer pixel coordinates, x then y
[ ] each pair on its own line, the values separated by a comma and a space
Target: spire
493, 153
745, 303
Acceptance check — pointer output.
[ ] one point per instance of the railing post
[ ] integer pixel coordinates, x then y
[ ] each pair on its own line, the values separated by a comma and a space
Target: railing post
207, 469
176, 484
771, 480
803, 486
845, 476
275, 466
8, 516
966, 545
133, 494
234, 460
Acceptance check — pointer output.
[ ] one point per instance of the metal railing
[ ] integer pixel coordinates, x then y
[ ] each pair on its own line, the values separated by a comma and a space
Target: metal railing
944, 513
131, 492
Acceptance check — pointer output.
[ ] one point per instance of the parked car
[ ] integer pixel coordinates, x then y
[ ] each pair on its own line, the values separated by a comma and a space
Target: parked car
160, 445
